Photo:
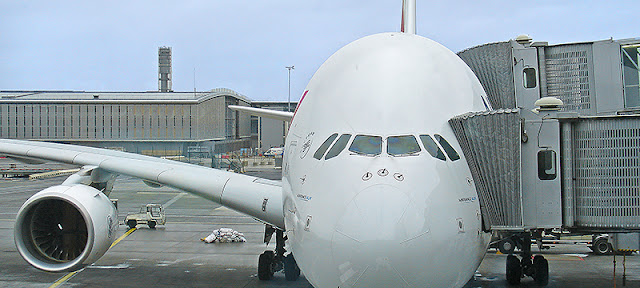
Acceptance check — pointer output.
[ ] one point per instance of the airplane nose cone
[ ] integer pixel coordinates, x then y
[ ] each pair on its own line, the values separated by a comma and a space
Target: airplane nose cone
373, 239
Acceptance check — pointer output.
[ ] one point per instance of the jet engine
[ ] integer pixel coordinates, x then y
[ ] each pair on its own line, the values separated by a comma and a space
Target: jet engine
64, 228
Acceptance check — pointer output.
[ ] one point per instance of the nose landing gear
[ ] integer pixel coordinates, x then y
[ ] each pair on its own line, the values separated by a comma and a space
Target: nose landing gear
517, 269
270, 262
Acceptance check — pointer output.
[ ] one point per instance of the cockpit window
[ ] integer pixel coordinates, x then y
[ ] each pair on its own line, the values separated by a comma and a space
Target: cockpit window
325, 145
338, 146
453, 155
366, 145
402, 145
432, 147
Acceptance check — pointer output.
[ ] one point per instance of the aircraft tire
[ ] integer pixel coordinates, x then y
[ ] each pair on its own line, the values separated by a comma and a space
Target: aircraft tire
265, 266
291, 269
541, 268
514, 270
132, 224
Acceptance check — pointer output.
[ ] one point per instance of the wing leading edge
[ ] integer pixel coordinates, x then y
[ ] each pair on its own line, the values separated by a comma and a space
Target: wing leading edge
256, 197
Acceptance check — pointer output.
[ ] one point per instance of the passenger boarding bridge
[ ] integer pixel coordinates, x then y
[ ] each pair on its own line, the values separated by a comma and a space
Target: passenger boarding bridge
570, 161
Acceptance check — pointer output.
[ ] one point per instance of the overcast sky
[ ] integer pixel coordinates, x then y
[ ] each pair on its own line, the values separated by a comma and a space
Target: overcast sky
245, 45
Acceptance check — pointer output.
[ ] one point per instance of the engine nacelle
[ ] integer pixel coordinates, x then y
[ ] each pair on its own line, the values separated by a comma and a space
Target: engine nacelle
64, 228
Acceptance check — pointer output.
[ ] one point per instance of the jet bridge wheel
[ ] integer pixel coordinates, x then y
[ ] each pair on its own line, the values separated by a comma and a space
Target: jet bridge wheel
507, 246
514, 270
265, 265
601, 247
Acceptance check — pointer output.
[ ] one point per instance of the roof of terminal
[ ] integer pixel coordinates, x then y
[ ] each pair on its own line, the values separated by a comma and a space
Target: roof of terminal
131, 97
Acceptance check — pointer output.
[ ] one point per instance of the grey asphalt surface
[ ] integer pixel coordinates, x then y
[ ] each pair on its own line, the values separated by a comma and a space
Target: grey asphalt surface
174, 256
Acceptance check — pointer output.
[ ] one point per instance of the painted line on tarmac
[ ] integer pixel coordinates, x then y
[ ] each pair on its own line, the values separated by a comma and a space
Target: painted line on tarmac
122, 237
170, 202
158, 193
66, 278
566, 257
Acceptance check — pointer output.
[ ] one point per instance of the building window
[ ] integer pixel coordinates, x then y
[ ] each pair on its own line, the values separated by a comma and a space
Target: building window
254, 124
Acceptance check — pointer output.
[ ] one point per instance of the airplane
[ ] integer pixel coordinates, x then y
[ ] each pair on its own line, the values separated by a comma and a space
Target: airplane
375, 189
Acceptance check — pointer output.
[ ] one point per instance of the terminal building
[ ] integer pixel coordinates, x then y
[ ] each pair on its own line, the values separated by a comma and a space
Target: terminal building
150, 123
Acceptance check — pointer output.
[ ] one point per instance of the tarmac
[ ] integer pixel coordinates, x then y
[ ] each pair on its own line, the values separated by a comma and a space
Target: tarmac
173, 255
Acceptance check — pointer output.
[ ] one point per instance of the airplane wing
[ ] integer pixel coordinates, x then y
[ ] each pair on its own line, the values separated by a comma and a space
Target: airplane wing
267, 113
260, 198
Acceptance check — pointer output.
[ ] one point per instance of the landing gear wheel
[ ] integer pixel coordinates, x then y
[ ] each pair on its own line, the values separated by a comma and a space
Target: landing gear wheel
601, 246
152, 224
541, 270
265, 266
291, 269
507, 246
132, 224
514, 270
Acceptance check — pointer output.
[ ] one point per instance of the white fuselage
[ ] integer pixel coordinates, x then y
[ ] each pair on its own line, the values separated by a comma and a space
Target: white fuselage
377, 219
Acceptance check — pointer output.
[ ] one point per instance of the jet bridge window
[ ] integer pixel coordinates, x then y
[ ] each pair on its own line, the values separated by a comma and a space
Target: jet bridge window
432, 147
529, 78
453, 155
366, 145
325, 145
402, 145
547, 165
338, 146
631, 75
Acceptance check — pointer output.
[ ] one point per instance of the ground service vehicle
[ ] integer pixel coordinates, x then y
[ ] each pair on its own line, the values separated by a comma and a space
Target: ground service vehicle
150, 214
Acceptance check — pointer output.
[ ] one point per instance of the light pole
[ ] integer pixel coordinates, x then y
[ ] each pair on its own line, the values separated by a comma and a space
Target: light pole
289, 99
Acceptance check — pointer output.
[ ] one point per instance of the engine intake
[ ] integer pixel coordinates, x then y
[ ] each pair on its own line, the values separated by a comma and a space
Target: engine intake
64, 228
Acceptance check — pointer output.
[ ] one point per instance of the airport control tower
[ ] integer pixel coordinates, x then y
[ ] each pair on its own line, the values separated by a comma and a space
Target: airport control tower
164, 69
